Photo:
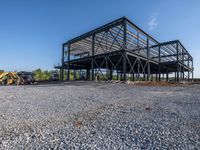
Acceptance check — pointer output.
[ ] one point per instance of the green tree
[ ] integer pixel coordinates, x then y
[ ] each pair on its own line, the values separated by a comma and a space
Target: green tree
38, 74
43, 75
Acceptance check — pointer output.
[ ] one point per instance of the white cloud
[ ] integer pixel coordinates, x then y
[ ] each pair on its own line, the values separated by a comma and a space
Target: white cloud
152, 24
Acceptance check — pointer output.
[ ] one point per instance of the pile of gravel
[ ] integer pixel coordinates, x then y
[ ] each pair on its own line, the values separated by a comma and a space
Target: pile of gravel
89, 115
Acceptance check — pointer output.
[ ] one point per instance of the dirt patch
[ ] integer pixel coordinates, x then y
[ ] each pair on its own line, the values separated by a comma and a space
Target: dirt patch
78, 123
142, 83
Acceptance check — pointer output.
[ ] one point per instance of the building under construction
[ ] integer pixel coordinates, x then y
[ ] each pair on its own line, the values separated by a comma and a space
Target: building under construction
120, 50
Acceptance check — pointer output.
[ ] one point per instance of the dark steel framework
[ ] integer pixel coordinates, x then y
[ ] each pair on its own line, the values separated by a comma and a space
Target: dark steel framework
123, 50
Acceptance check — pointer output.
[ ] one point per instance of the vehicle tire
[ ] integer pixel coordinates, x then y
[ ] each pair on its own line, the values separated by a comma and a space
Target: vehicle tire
4, 82
17, 82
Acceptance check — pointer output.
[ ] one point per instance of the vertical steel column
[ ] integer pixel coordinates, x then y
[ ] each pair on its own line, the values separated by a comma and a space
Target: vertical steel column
121, 74
138, 65
181, 71
177, 76
137, 39
188, 76
68, 65
92, 65
192, 71
148, 55
159, 64
117, 75
88, 73
107, 75
124, 66
183, 68
188, 69
61, 77
62, 69
79, 74
124, 50
167, 75
138, 69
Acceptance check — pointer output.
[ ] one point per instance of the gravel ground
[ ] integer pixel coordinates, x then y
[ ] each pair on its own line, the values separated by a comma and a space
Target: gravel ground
89, 115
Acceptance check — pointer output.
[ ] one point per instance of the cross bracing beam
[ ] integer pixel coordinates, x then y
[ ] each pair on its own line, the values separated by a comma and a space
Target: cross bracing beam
131, 40
140, 30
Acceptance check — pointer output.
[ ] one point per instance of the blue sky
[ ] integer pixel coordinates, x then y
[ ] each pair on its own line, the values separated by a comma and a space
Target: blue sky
32, 31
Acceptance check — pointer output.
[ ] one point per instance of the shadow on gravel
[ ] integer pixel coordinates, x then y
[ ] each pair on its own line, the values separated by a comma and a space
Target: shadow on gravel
69, 83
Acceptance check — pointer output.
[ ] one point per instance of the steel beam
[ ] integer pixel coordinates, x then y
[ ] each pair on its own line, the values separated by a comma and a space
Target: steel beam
93, 47
167, 75
62, 68
192, 71
148, 65
68, 64
178, 67
124, 53
159, 67
124, 66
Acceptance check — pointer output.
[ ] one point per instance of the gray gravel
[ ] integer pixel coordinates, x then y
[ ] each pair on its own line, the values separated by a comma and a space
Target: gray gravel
89, 115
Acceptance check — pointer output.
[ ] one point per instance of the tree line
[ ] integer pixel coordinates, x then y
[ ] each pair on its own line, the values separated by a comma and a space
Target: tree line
39, 74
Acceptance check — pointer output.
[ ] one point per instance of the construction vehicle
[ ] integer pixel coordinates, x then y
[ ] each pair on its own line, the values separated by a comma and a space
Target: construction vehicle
16, 78
10, 78
27, 77
54, 77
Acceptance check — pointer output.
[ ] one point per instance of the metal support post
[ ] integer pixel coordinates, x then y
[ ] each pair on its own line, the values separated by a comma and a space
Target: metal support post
167, 75
159, 64
68, 65
62, 69
117, 75
88, 74
124, 66
192, 72
188, 70
148, 55
178, 67
107, 75
121, 75
138, 65
93, 46
124, 53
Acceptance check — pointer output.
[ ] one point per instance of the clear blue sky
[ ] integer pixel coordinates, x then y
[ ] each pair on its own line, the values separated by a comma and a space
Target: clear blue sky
32, 31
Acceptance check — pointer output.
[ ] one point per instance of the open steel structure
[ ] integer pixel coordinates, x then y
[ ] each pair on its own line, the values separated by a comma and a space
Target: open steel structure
123, 51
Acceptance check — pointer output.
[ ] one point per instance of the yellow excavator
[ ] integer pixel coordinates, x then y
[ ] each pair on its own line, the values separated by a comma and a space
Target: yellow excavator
10, 78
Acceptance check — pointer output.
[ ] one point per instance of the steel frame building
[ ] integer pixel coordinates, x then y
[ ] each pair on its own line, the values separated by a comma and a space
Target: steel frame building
123, 50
